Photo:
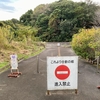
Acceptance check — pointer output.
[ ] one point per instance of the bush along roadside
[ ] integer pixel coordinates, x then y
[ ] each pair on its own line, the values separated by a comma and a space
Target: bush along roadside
87, 44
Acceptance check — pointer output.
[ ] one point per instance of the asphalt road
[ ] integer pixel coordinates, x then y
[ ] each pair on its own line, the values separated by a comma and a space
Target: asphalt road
32, 84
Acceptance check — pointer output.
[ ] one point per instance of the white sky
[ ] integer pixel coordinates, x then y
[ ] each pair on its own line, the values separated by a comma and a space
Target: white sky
15, 8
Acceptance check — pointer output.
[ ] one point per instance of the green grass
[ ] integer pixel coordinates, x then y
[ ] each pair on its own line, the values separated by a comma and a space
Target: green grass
3, 64
20, 56
33, 54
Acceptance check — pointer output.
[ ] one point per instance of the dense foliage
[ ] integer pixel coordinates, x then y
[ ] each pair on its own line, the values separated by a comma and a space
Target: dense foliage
87, 42
13, 30
59, 20
15, 37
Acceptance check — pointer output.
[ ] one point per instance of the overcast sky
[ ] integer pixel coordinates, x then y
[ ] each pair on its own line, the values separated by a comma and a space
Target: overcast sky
15, 8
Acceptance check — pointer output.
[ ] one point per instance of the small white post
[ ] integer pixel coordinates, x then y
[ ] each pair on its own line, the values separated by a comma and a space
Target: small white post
58, 45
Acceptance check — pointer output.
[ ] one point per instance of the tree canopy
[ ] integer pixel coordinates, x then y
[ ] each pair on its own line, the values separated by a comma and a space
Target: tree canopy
59, 20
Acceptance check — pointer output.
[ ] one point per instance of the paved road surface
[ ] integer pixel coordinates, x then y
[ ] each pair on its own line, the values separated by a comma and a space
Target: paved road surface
32, 85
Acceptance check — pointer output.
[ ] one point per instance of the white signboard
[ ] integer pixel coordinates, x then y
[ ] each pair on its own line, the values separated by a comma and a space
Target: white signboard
58, 44
14, 62
62, 73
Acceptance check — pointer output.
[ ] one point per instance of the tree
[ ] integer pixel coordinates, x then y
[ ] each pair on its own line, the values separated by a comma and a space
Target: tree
27, 17
66, 28
86, 43
59, 20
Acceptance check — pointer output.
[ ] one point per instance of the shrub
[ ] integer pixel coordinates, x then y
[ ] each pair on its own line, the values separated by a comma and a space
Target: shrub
86, 43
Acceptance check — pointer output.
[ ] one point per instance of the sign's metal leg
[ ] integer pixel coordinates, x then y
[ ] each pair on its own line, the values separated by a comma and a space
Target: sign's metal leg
48, 92
76, 91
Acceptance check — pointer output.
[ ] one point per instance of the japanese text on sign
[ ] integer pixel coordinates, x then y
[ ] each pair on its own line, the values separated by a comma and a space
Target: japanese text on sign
61, 61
